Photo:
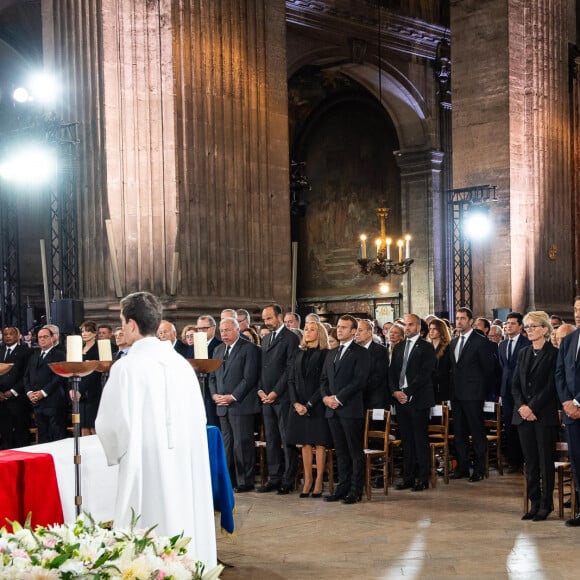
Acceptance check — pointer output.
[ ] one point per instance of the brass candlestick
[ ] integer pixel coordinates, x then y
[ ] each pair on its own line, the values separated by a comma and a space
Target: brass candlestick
74, 371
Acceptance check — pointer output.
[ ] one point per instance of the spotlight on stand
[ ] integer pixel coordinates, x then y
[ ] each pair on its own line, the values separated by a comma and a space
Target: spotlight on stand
40, 87
30, 165
477, 222
383, 265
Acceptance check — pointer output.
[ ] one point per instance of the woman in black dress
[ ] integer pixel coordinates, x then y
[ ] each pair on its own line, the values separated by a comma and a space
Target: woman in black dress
440, 338
307, 425
536, 412
90, 388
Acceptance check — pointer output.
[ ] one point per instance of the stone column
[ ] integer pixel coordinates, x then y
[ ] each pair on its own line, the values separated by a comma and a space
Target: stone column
511, 128
183, 112
423, 216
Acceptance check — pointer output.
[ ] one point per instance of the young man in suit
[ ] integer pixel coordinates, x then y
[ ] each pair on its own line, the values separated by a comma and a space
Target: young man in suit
233, 390
568, 386
278, 353
14, 406
508, 351
342, 383
472, 371
46, 390
411, 384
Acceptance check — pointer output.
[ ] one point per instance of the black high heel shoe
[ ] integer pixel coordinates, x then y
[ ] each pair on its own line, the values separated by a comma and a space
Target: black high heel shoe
306, 494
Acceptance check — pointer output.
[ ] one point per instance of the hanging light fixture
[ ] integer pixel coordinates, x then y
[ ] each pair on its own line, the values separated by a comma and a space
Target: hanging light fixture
383, 263
390, 257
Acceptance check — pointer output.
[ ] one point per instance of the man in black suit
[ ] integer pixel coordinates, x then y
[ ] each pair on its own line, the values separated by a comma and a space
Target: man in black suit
411, 384
278, 353
376, 390
14, 406
167, 331
568, 386
472, 371
46, 390
233, 389
508, 350
342, 383
207, 324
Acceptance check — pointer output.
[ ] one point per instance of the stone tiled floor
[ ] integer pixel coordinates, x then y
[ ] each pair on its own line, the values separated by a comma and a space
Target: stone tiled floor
460, 530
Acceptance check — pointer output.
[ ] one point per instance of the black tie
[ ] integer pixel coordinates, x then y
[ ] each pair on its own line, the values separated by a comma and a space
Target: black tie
509, 349
405, 359
461, 343
338, 354
120, 355
226, 356
7, 353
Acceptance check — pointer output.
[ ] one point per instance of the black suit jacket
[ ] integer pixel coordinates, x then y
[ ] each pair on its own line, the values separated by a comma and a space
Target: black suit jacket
211, 346
39, 376
277, 362
474, 372
508, 366
238, 377
419, 372
376, 391
346, 380
181, 348
533, 384
568, 372
14, 379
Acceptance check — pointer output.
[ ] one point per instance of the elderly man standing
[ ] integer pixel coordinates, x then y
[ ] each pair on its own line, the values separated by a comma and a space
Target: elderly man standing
279, 350
151, 423
233, 390
167, 332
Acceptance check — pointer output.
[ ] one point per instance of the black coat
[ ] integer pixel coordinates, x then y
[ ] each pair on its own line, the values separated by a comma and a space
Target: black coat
419, 372
533, 384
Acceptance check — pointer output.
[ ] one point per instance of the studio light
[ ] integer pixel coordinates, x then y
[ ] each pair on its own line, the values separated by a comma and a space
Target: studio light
40, 87
477, 223
33, 166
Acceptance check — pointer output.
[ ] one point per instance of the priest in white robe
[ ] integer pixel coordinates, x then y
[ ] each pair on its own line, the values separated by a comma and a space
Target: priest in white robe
151, 422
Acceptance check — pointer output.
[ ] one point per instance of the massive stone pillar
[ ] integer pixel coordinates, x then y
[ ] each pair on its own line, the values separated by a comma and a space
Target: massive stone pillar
184, 143
511, 128
423, 210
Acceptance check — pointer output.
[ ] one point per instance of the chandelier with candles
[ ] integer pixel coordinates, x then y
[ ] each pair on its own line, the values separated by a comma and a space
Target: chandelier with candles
388, 257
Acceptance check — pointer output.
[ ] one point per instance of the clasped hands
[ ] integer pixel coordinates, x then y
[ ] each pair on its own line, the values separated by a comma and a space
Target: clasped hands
223, 400
35, 396
526, 413
267, 399
331, 402
571, 409
300, 409
401, 397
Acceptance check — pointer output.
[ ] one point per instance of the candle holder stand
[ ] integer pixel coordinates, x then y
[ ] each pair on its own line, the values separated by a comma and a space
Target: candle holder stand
74, 372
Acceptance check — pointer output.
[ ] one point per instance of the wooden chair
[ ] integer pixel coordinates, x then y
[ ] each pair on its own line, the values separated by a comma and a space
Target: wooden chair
377, 460
493, 433
565, 485
439, 442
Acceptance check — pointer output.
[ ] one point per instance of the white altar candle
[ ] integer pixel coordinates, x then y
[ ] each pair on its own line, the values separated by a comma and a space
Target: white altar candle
105, 351
200, 345
407, 247
74, 348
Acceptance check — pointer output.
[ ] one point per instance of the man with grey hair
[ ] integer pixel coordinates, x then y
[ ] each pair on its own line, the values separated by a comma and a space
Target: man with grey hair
233, 390
495, 334
292, 320
55, 333
151, 424
168, 332
243, 318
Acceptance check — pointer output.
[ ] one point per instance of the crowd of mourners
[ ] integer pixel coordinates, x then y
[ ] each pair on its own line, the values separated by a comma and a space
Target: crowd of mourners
307, 385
